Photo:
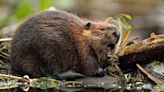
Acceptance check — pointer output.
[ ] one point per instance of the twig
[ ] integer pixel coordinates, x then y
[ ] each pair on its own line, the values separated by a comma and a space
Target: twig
124, 42
5, 39
9, 76
108, 19
148, 75
2, 63
119, 70
8, 87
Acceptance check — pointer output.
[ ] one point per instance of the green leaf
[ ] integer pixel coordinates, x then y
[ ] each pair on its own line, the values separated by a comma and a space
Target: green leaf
127, 26
126, 16
122, 20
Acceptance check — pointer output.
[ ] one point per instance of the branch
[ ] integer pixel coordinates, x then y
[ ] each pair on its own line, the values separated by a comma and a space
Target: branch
142, 52
148, 75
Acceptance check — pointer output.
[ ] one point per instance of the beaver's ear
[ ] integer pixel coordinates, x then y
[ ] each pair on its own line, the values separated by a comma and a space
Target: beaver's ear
88, 25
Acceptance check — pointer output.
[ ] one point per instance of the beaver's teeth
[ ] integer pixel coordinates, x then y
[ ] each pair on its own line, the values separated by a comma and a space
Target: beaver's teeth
109, 52
109, 55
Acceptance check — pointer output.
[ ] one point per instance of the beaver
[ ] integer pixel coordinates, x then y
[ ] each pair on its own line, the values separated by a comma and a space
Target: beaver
62, 45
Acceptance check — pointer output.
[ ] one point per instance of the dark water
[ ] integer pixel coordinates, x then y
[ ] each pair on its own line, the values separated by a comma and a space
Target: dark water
75, 90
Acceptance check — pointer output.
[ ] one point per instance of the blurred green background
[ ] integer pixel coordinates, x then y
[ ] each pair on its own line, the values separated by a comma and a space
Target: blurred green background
148, 15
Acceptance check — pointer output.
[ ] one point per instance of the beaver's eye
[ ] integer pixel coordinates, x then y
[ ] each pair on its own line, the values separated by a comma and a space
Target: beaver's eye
102, 29
88, 25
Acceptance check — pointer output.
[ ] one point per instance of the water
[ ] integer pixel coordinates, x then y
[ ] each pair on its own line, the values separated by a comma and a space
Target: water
90, 84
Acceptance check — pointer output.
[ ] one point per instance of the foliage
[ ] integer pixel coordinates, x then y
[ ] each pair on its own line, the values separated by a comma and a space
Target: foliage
24, 8
122, 20
27, 7
45, 83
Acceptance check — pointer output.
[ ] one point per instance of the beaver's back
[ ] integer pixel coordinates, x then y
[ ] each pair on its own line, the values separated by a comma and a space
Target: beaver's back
46, 44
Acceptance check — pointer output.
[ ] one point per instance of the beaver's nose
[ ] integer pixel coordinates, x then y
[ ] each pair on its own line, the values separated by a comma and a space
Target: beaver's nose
100, 72
117, 35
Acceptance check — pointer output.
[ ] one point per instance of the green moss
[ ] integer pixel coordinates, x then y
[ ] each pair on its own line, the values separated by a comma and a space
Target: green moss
45, 83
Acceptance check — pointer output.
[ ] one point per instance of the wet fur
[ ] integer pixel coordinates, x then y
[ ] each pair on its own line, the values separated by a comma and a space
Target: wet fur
53, 42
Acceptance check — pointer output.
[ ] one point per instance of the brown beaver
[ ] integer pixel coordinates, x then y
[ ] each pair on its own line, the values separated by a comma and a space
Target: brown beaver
60, 44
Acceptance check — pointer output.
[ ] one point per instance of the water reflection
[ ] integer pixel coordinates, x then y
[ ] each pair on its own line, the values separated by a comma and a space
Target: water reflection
91, 84
74, 90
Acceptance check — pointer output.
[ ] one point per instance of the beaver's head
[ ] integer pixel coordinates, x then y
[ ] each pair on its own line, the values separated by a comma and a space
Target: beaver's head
104, 38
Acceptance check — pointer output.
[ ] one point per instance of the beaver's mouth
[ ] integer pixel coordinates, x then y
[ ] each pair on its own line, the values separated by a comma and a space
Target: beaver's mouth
110, 50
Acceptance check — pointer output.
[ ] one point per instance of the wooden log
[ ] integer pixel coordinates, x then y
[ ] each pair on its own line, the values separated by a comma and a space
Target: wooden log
142, 52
